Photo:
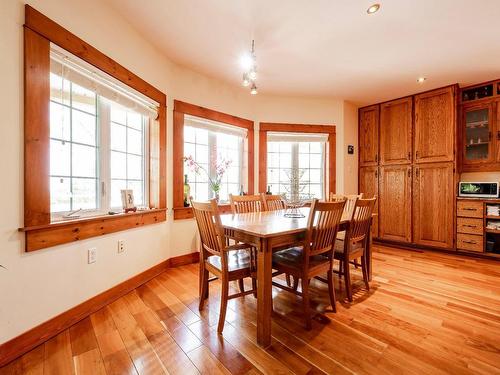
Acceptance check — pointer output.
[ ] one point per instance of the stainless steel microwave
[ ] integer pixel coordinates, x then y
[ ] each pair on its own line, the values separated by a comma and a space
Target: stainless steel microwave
478, 189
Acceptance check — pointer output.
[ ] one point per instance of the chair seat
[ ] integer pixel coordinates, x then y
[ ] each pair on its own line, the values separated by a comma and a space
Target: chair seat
341, 235
237, 260
291, 259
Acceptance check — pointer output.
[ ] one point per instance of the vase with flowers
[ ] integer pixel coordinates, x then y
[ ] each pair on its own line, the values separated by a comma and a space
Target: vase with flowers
219, 168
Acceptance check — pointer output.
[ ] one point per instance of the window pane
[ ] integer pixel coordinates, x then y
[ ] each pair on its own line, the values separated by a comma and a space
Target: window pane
118, 115
59, 89
202, 154
118, 165
285, 160
60, 194
137, 187
201, 137
285, 146
84, 193
273, 160
315, 159
134, 120
315, 147
189, 134
134, 167
304, 147
116, 187
118, 137
84, 128
134, 139
60, 158
315, 176
190, 150
273, 175
83, 161
83, 99
273, 147
303, 160
59, 121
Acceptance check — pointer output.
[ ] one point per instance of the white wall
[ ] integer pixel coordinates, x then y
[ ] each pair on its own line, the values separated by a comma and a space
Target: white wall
37, 286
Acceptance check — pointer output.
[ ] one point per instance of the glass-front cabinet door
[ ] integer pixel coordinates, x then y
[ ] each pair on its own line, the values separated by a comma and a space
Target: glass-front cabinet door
477, 127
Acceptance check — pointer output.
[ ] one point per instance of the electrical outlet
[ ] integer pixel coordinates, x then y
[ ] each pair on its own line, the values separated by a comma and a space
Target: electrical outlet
92, 255
121, 246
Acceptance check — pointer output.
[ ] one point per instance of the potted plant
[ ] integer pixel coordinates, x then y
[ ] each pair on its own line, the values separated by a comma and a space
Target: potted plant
220, 166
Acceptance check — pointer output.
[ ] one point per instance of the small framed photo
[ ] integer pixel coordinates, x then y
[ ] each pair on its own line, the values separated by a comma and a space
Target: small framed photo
127, 199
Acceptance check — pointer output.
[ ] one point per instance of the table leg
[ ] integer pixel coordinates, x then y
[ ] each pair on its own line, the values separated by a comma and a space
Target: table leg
264, 294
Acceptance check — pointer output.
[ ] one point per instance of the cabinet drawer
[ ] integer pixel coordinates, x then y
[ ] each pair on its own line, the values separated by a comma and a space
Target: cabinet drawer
468, 225
470, 208
470, 242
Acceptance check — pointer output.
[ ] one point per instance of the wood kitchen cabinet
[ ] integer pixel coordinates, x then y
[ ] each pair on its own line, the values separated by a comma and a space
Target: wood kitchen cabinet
368, 135
395, 203
368, 185
433, 204
396, 131
435, 126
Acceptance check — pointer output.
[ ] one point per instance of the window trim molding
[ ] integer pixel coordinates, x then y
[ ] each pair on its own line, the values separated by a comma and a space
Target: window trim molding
39, 32
181, 109
265, 127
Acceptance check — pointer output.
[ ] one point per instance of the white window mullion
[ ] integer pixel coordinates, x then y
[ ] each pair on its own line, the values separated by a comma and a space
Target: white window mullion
212, 160
105, 155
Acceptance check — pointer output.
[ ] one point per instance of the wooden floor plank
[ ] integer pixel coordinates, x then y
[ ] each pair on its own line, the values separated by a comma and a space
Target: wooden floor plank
425, 313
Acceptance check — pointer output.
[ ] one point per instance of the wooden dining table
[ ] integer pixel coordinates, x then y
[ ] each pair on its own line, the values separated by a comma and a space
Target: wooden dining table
268, 231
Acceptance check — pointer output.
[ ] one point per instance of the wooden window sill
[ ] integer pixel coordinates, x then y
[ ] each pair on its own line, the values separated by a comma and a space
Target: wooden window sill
181, 213
61, 232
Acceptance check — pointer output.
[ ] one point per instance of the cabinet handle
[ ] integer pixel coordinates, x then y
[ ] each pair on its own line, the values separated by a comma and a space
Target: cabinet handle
470, 226
469, 209
471, 242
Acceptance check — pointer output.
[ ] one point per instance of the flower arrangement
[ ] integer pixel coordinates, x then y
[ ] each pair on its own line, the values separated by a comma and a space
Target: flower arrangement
220, 166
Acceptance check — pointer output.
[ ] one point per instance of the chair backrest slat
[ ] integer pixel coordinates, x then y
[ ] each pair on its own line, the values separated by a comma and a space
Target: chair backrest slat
209, 225
349, 204
273, 202
246, 203
322, 227
361, 221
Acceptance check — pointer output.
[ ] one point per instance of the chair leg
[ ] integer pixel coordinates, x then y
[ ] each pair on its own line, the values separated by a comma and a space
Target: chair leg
254, 286
203, 288
341, 273
331, 290
347, 279
295, 283
241, 285
223, 304
288, 281
356, 264
305, 301
365, 272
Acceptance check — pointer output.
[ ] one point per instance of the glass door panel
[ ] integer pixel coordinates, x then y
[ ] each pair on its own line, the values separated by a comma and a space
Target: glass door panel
477, 134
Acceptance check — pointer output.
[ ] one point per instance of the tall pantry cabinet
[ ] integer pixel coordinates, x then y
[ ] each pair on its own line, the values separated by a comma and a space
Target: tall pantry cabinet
414, 172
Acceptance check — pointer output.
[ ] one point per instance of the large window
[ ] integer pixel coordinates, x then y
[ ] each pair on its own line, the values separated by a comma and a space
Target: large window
296, 164
97, 146
91, 128
209, 144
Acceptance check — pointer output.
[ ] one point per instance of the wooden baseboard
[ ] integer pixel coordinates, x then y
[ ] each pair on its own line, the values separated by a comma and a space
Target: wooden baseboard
23, 343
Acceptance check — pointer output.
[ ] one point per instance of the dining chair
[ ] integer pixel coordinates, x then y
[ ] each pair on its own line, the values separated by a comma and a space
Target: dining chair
273, 202
226, 262
315, 256
353, 245
246, 203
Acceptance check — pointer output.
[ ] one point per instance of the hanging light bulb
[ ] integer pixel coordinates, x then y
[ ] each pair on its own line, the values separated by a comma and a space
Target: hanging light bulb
252, 74
246, 80
253, 90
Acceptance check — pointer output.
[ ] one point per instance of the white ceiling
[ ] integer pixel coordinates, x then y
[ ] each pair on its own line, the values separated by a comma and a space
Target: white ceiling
328, 48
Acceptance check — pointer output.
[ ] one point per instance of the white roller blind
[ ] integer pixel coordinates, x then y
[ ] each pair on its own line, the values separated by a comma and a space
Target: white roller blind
213, 126
74, 69
296, 137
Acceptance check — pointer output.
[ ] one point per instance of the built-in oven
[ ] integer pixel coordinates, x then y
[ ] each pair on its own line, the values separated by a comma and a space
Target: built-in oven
478, 189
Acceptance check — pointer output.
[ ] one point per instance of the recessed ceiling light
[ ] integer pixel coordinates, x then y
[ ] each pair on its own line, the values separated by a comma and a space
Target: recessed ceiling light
421, 79
373, 9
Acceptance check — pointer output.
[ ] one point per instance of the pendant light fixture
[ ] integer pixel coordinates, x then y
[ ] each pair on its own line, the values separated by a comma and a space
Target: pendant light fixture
250, 70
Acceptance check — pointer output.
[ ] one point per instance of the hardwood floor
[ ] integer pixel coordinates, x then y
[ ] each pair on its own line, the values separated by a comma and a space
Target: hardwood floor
426, 313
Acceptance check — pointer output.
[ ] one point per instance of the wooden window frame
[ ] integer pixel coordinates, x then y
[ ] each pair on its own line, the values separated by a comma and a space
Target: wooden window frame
180, 110
266, 127
40, 232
